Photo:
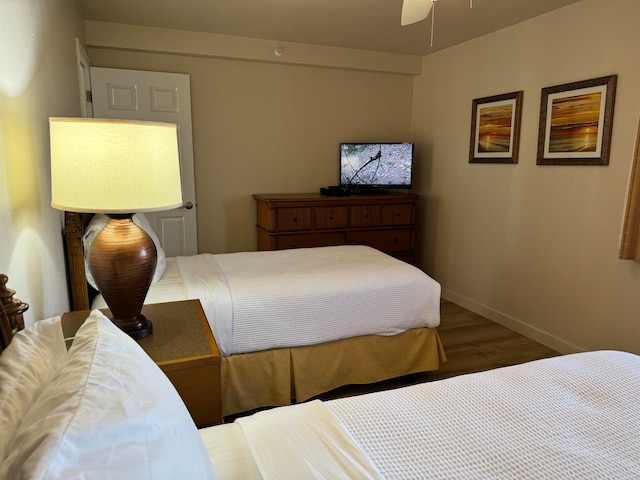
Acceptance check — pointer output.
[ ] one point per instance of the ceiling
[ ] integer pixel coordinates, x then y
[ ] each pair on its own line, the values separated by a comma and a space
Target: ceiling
360, 24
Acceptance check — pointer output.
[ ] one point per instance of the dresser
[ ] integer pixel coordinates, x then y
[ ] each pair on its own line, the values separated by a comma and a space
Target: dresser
383, 221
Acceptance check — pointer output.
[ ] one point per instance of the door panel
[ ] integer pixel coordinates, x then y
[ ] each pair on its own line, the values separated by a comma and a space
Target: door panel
160, 97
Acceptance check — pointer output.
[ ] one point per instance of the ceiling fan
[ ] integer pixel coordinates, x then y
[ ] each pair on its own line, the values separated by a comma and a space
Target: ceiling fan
414, 11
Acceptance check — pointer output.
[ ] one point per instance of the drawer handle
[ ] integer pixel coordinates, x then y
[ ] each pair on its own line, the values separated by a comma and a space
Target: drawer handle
398, 214
366, 216
294, 219
330, 218
396, 240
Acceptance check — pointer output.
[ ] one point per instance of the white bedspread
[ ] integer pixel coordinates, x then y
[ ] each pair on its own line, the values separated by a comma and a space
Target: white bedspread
576, 416
277, 299
260, 300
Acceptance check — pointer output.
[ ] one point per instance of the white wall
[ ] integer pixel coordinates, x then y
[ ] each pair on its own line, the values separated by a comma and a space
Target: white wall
38, 79
533, 247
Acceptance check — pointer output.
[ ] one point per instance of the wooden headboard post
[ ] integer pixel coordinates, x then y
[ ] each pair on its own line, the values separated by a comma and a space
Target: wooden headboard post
11, 310
74, 225
6, 332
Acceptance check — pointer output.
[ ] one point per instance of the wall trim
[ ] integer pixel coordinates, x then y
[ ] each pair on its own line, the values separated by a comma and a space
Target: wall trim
181, 42
523, 328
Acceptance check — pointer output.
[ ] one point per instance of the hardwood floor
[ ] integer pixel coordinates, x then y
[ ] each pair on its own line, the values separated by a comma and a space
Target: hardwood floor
472, 344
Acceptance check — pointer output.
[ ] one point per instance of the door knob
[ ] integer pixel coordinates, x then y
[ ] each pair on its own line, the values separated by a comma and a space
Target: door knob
187, 205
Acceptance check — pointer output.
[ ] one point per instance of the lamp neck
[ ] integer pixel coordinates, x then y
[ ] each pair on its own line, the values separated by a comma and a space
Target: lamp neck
120, 216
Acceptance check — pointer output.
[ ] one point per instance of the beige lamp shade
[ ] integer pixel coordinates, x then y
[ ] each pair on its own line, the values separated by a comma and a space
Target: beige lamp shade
114, 166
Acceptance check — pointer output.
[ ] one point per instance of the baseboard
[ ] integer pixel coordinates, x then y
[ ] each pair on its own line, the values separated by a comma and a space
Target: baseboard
529, 331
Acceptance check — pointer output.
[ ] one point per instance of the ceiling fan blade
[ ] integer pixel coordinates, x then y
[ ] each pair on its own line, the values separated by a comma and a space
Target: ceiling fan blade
415, 10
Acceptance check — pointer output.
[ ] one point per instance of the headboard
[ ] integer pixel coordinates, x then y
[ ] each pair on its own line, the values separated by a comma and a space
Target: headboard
11, 310
73, 231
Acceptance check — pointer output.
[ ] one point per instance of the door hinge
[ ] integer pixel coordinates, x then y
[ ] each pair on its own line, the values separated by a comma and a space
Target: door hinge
89, 96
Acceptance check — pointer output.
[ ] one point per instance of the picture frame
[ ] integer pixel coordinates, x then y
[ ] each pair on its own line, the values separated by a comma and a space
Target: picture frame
495, 128
576, 121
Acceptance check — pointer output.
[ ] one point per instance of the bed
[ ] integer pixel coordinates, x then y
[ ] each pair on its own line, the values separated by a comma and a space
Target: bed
300, 322
66, 414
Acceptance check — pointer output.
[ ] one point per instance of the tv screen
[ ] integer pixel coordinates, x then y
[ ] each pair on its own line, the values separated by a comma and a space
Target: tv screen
376, 165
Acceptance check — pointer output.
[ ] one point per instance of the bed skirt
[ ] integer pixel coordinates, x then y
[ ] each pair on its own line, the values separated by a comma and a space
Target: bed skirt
276, 377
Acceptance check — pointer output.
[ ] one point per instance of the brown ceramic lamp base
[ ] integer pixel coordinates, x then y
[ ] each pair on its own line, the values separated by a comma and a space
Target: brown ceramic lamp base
138, 328
122, 260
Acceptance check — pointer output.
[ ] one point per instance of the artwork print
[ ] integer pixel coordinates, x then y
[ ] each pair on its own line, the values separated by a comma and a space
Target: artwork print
575, 123
495, 129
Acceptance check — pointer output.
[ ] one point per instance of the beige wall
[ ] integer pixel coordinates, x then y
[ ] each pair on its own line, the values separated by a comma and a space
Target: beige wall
533, 247
267, 127
38, 79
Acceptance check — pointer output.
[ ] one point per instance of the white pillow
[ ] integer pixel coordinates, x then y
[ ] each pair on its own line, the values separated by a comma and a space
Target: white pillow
109, 413
26, 368
99, 221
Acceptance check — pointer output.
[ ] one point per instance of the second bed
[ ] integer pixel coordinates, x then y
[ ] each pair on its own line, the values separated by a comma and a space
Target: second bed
293, 324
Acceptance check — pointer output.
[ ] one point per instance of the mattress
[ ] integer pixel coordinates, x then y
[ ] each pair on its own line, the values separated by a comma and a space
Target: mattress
256, 301
575, 416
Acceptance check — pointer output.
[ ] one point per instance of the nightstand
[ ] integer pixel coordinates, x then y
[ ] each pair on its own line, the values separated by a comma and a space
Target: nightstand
184, 348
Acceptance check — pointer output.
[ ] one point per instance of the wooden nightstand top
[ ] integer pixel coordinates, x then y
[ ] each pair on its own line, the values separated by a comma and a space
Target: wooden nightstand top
180, 331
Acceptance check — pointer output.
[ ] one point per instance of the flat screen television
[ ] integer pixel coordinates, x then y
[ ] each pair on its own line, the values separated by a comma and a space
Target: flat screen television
376, 166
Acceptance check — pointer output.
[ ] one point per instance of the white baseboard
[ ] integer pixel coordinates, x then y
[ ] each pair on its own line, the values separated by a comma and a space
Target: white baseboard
529, 331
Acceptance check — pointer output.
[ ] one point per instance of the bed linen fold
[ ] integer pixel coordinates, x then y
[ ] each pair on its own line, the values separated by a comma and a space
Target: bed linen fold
203, 279
311, 443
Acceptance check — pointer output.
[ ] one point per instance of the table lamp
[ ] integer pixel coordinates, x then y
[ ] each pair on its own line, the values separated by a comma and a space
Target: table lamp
119, 168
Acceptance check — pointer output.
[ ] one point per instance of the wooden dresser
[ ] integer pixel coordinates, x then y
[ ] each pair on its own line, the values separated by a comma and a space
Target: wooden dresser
385, 221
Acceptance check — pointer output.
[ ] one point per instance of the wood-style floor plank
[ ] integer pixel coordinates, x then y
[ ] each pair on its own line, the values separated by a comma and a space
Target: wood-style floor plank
473, 344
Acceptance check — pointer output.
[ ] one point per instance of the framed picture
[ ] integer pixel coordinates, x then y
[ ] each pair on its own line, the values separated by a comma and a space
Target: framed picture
495, 128
575, 122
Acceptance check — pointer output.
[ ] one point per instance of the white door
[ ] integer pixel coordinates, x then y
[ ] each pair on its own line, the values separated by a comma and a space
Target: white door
160, 97
84, 80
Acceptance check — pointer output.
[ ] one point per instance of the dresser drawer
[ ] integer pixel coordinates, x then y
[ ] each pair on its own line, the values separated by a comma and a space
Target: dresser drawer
366, 216
383, 221
310, 240
397, 214
325, 218
294, 218
389, 241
